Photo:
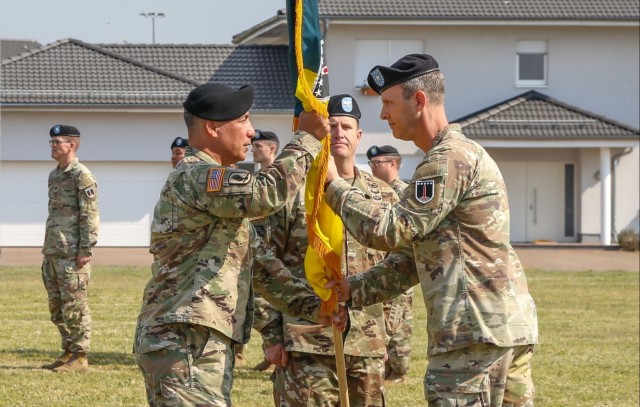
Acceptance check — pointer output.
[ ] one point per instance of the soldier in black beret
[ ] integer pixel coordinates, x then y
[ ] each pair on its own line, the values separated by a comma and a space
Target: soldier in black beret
70, 235
178, 149
264, 147
208, 259
449, 232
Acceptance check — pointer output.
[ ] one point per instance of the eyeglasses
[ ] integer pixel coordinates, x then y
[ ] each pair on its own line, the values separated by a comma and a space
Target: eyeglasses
57, 142
374, 164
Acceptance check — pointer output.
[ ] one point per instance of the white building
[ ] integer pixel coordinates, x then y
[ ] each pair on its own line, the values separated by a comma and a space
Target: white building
568, 151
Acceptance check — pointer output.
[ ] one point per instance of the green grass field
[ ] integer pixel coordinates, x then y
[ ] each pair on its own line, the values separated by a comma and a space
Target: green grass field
588, 355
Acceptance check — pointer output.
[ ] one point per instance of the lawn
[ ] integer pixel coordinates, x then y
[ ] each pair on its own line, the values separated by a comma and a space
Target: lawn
588, 355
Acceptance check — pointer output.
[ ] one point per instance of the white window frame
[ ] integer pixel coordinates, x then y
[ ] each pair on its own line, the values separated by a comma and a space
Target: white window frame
532, 47
370, 53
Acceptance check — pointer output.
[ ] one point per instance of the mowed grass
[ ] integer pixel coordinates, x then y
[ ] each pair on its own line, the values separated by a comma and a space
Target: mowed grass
588, 355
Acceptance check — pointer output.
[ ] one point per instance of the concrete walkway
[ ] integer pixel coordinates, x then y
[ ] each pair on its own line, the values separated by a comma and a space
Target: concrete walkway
548, 257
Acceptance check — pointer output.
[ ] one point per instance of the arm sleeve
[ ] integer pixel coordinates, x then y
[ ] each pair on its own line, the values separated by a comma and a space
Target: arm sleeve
437, 187
229, 193
384, 281
88, 215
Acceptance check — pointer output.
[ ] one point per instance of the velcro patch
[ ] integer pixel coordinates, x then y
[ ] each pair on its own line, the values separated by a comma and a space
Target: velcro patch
425, 190
239, 178
214, 179
91, 192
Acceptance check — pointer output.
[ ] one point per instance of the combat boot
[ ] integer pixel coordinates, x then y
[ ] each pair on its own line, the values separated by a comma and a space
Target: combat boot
59, 362
78, 362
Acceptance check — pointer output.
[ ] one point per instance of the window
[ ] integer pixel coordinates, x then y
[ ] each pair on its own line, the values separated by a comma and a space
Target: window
370, 53
531, 63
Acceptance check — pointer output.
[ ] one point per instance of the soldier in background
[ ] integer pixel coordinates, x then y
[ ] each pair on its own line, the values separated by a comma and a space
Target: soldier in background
177, 150
385, 164
304, 352
264, 146
450, 232
71, 233
207, 257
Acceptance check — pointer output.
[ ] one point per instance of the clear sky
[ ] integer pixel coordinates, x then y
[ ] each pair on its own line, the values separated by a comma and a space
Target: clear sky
119, 21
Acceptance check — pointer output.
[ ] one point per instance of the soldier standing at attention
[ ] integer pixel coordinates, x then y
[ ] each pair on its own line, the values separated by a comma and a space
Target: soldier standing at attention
177, 150
451, 234
207, 257
304, 352
71, 233
385, 164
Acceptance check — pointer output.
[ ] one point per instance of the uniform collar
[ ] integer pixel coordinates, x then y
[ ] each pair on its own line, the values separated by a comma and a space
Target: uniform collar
441, 135
202, 156
70, 166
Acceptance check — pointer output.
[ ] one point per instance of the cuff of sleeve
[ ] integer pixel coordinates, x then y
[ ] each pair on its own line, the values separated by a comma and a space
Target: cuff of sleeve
357, 293
307, 142
84, 253
334, 192
271, 338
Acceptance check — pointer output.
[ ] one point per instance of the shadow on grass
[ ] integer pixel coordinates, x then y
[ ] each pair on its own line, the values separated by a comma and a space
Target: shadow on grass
45, 356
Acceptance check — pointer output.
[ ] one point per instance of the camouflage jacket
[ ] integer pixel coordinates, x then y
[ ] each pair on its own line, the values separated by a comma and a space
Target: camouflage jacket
454, 220
366, 335
207, 255
285, 233
72, 225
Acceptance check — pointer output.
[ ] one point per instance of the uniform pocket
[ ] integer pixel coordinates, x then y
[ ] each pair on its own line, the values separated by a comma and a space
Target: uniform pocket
457, 388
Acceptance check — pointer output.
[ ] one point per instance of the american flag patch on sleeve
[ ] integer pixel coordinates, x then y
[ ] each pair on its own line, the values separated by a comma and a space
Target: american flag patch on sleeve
214, 179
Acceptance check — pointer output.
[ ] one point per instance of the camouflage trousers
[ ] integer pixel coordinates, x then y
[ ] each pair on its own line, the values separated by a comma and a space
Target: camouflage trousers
311, 380
66, 287
479, 376
185, 365
398, 321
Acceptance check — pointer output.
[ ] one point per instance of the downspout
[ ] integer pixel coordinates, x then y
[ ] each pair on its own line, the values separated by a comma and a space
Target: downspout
614, 162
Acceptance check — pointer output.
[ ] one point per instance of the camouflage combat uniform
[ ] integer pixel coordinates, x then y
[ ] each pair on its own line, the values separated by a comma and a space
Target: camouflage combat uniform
398, 321
71, 231
451, 230
310, 377
207, 257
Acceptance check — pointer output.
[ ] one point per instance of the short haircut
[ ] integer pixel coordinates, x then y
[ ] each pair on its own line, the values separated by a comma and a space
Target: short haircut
431, 83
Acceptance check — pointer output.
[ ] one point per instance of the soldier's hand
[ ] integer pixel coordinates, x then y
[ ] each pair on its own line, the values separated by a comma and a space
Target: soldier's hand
343, 287
314, 124
277, 355
81, 261
340, 318
332, 171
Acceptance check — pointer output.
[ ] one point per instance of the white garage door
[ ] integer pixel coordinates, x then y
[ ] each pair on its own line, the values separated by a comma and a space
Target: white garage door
127, 194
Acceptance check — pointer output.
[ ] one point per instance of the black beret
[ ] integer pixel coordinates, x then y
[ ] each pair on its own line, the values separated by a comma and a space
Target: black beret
265, 135
179, 142
344, 105
375, 151
64, 130
408, 67
216, 101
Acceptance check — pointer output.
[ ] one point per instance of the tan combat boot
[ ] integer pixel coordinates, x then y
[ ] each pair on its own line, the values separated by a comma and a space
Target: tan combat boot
78, 362
59, 362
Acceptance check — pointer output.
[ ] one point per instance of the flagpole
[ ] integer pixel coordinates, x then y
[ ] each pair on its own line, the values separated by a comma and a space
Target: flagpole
341, 368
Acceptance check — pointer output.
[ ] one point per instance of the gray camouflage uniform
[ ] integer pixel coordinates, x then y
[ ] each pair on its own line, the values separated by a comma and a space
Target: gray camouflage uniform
398, 320
207, 257
451, 229
310, 377
71, 231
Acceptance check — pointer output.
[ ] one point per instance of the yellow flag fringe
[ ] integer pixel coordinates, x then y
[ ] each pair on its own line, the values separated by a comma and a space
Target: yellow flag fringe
330, 258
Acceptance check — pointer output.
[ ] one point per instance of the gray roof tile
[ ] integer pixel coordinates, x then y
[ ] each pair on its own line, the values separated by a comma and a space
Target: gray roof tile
483, 9
71, 72
265, 67
535, 116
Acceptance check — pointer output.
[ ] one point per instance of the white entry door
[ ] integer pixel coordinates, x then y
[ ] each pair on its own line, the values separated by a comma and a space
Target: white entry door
537, 201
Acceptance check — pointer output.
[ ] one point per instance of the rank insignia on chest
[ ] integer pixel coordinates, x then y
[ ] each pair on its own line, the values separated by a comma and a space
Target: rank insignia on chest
214, 179
91, 192
425, 190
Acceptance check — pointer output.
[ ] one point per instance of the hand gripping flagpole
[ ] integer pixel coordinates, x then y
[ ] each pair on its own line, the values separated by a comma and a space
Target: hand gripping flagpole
322, 260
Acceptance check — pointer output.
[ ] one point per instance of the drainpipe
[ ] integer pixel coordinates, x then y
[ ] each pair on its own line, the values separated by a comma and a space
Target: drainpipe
605, 196
614, 163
